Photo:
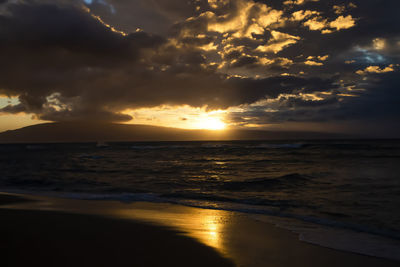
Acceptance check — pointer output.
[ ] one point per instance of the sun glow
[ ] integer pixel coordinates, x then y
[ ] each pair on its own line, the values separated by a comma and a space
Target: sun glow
184, 117
211, 123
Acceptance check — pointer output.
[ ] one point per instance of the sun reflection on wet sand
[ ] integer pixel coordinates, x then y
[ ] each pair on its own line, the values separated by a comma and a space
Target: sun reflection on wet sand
207, 226
211, 233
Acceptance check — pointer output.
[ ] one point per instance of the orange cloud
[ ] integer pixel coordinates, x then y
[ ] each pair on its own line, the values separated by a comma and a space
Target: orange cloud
379, 43
316, 24
343, 23
278, 42
376, 69
252, 18
321, 24
298, 2
303, 14
313, 63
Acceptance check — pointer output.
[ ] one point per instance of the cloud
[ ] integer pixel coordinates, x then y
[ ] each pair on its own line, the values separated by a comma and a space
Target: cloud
323, 58
313, 63
343, 23
278, 42
379, 43
303, 14
88, 70
298, 2
218, 3
347, 113
340, 9
376, 69
249, 18
86, 60
320, 24
316, 24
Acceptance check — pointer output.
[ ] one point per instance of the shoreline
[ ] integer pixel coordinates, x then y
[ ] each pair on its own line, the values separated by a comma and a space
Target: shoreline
245, 241
57, 238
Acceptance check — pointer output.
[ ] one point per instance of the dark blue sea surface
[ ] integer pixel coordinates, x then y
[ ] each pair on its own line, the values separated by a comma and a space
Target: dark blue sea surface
346, 184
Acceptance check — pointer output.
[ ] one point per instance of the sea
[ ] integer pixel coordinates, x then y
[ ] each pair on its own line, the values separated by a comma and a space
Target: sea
343, 194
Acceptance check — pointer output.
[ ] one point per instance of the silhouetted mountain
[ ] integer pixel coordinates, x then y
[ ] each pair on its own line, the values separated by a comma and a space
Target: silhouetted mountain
93, 132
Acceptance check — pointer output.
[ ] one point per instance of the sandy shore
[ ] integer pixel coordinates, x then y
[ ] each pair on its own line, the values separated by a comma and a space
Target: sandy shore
48, 238
64, 232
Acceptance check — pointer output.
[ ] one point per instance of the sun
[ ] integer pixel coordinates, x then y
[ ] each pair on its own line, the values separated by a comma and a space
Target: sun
211, 123
182, 117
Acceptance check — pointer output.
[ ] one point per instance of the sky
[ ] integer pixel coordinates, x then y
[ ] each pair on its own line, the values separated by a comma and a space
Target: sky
308, 65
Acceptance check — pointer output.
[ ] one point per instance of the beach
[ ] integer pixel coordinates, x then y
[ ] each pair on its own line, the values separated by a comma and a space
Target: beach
47, 231
49, 238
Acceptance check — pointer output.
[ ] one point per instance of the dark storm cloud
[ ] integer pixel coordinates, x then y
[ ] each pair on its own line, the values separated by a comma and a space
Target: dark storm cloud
375, 104
131, 14
256, 89
374, 19
85, 60
47, 49
14, 109
75, 67
154, 16
375, 113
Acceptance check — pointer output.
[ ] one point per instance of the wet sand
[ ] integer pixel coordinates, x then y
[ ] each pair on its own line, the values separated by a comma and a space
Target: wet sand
49, 238
64, 232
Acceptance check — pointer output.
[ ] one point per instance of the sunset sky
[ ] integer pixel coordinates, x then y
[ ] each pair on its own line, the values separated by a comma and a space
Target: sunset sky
307, 65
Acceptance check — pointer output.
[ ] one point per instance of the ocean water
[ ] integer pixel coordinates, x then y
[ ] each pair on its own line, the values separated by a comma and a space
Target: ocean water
340, 194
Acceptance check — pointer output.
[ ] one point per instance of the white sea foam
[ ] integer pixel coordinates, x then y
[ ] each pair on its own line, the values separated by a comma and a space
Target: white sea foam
338, 238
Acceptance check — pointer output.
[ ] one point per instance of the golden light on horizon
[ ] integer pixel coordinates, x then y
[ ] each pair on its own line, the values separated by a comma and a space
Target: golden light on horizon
184, 117
211, 123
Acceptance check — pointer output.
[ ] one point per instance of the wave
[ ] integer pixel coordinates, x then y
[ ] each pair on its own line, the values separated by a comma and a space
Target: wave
150, 147
155, 147
218, 203
255, 145
193, 197
277, 146
218, 145
335, 237
289, 180
221, 145
36, 147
